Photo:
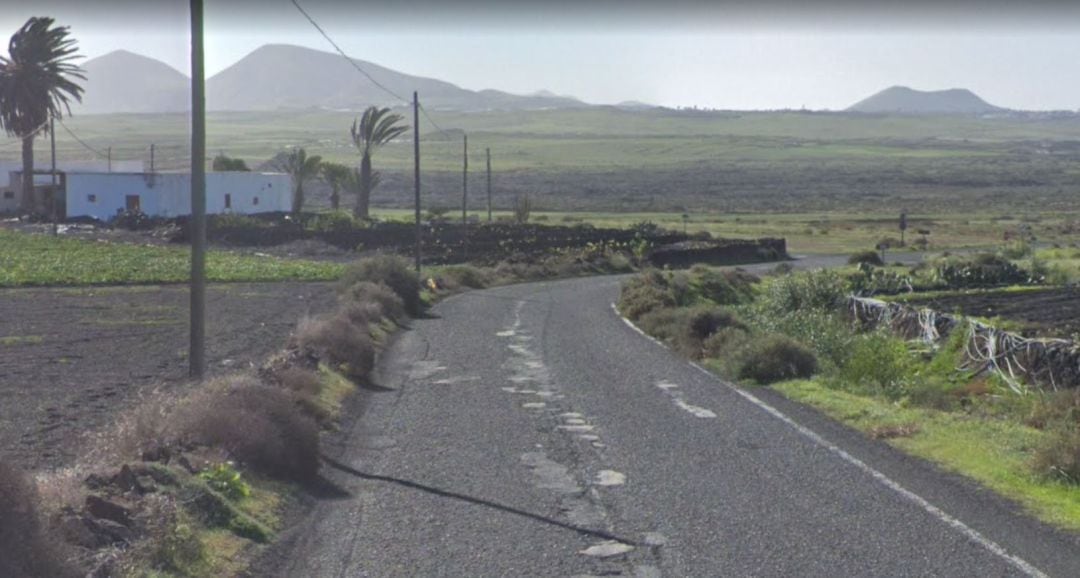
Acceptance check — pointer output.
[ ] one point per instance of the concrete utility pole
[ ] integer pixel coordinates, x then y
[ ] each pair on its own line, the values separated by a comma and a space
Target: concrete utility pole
151, 157
197, 352
488, 151
53, 196
109, 155
416, 172
465, 181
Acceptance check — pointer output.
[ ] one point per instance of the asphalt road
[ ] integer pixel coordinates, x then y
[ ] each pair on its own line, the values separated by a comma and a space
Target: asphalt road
529, 431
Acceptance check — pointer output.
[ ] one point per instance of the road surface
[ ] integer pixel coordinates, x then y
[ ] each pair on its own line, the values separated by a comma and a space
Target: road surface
529, 431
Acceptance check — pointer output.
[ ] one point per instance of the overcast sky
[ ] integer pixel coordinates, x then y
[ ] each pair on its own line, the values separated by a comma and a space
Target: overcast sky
737, 54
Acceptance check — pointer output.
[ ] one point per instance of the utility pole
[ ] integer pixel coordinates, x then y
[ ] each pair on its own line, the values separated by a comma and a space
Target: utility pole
110, 158
488, 151
465, 197
55, 201
416, 172
151, 157
197, 352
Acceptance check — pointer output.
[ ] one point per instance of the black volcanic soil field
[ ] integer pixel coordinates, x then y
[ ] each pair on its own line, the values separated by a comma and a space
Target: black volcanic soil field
70, 359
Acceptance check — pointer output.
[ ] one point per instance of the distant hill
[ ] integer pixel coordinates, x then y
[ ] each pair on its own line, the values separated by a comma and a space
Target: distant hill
280, 76
122, 81
904, 100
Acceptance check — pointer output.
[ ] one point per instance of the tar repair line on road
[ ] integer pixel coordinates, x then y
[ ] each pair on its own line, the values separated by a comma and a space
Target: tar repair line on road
969, 532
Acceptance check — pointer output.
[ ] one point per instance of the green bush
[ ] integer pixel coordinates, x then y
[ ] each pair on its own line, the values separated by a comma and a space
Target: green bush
332, 222
827, 333
983, 270
823, 290
225, 480
724, 343
644, 293
878, 363
870, 257
771, 358
392, 271
722, 287
705, 321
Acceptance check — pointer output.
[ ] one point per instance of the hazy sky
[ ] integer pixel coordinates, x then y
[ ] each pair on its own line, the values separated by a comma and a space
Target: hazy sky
738, 54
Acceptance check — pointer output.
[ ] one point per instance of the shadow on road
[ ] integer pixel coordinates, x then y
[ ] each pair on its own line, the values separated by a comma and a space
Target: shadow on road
476, 501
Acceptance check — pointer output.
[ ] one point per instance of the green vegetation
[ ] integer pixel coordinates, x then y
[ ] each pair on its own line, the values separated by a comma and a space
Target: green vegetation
30, 259
927, 400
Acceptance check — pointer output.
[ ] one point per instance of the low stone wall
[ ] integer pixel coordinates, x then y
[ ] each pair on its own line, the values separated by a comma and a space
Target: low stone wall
719, 252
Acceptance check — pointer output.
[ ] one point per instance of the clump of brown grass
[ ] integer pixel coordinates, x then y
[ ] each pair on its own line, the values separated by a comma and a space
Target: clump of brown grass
25, 549
339, 342
377, 298
259, 425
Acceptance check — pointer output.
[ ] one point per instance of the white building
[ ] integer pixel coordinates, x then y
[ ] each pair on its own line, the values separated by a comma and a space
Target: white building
10, 196
103, 195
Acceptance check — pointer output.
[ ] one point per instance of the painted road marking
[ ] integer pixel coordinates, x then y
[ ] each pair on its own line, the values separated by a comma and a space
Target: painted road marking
971, 533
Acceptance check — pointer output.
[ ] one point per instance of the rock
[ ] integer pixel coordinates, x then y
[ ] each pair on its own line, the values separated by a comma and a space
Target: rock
96, 482
125, 479
74, 530
145, 485
103, 509
109, 531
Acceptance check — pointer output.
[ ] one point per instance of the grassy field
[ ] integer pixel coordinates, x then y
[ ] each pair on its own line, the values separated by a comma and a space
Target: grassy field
996, 453
33, 259
611, 160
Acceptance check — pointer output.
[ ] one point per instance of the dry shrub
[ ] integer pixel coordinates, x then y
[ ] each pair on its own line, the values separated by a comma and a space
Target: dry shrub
772, 358
1055, 408
392, 271
305, 386
456, 276
366, 297
1058, 457
704, 322
25, 550
259, 425
645, 293
721, 344
339, 342
891, 431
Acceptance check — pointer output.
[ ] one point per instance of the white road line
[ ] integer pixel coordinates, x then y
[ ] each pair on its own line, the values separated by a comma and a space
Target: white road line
968, 531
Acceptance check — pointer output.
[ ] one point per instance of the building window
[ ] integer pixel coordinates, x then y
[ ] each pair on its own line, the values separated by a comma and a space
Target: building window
228, 201
91, 198
9, 194
255, 201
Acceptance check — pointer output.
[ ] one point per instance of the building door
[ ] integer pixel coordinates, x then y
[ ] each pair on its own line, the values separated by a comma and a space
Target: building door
131, 203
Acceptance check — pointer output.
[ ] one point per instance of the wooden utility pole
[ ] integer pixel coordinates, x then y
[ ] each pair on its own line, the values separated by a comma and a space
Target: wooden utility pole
197, 352
416, 172
488, 151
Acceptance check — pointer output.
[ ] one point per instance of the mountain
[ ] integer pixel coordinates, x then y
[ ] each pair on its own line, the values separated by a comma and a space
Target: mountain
122, 81
277, 76
904, 100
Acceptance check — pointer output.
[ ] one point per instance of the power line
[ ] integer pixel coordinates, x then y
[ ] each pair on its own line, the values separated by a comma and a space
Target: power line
346, 56
81, 141
362, 71
18, 141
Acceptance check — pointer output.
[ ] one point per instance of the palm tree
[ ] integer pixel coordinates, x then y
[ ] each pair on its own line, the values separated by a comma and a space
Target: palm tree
300, 167
372, 130
337, 176
36, 82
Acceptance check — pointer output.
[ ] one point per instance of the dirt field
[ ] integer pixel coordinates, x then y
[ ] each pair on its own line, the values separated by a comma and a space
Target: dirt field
71, 358
1050, 313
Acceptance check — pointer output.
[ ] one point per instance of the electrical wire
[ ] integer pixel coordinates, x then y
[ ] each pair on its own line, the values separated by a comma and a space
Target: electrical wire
364, 72
81, 141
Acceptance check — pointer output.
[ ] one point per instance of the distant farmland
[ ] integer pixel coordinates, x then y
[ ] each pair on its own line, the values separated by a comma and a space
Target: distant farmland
615, 160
